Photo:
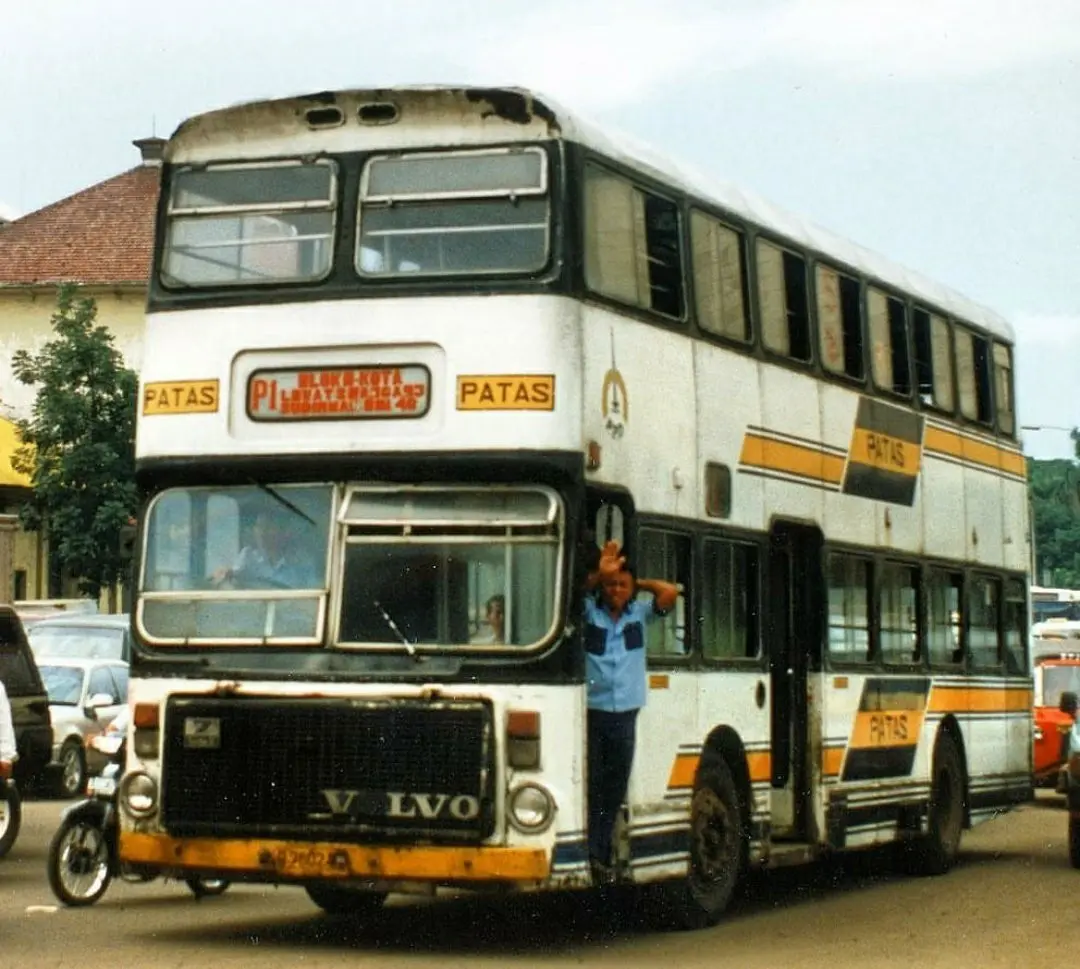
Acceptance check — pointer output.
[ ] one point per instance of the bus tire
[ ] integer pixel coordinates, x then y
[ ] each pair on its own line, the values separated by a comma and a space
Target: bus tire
935, 853
1074, 841
354, 903
718, 848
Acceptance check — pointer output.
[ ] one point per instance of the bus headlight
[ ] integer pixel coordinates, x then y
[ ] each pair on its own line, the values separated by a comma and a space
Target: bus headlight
532, 808
139, 794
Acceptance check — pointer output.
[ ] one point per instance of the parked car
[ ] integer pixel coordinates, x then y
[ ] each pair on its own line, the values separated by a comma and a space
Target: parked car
29, 701
85, 695
92, 636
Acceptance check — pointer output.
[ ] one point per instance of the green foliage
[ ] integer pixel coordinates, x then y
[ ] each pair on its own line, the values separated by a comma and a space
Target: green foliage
1055, 504
79, 445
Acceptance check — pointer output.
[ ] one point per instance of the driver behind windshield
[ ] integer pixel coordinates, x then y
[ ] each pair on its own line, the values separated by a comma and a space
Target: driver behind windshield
275, 558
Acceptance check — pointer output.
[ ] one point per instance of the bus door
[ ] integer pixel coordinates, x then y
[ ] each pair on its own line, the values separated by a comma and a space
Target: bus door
793, 624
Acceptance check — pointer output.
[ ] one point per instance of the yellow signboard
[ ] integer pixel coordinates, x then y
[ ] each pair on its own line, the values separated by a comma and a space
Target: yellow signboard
506, 392
181, 397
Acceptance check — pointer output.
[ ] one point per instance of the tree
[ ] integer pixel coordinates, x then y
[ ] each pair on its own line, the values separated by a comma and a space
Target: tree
79, 446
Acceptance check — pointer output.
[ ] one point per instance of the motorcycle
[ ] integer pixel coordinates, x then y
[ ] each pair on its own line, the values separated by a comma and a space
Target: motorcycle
83, 854
10, 814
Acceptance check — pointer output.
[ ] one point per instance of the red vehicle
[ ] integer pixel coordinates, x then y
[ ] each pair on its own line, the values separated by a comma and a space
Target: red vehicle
1055, 655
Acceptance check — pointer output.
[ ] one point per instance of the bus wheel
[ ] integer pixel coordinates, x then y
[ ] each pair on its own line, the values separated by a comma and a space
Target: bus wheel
936, 852
355, 903
1074, 841
717, 849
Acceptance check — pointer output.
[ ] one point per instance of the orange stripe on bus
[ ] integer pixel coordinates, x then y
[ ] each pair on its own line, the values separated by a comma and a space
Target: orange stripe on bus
806, 461
963, 699
315, 859
831, 759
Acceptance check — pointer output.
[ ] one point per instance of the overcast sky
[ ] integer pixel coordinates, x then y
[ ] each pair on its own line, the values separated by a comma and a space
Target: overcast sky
944, 134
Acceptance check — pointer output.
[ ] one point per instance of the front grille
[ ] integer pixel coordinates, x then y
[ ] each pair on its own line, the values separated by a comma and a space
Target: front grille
328, 768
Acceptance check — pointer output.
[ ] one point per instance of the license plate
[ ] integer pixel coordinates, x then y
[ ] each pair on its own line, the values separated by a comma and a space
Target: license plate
302, 862
102, 786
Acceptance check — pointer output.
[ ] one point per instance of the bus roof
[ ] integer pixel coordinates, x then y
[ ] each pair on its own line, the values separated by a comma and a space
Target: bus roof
532, 116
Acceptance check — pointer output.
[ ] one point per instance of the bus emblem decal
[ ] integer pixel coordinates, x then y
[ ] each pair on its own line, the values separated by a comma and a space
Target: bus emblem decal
885, 453
614, 400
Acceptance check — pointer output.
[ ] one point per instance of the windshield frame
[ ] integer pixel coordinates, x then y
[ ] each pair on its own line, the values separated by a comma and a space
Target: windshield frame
399, 530
548, 530
388, 201
174, 215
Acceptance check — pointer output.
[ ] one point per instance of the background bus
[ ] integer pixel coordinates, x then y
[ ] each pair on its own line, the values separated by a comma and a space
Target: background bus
1048, 604
452, 338
1055, 656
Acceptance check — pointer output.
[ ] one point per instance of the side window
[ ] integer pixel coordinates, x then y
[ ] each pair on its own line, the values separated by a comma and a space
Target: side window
943, 619
849, 609
973, 376
120, 675
1015, 622
933, 361
899, 611
719, 262
1003, 396
785, 311
632, 249
888, 342
729, 601
16, 673
984, 601
665, 555
840, 321
101, 681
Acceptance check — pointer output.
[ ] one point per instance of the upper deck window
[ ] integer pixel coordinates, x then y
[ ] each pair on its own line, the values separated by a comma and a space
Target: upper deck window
454, 213
250, 224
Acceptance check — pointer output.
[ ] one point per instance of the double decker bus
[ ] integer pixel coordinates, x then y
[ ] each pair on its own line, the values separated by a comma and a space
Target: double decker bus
454, 339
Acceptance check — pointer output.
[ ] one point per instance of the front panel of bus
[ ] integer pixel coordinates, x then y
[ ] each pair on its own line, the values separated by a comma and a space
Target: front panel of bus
360, 443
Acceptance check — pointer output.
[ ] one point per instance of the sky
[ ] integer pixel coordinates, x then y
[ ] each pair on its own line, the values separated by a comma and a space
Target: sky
944, 134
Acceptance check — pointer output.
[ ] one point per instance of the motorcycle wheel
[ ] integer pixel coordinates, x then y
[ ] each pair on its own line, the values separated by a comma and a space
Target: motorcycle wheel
207, 887
80, 868
10, 816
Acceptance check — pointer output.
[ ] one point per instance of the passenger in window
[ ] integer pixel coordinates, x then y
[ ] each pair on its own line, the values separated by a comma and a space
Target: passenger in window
494, 619
615, 671
275, 559
8, 752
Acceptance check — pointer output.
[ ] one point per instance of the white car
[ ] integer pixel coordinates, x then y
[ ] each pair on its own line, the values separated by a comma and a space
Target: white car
85, 696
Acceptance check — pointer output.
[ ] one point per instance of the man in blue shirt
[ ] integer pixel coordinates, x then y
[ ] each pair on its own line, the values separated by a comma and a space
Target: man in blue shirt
615, 671
273, 559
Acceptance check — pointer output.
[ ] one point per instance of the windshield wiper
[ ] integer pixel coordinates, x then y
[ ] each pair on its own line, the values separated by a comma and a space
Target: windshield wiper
282, 500
410, 648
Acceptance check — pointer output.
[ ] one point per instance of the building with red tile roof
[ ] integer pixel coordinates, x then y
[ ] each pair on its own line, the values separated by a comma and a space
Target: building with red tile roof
101, 238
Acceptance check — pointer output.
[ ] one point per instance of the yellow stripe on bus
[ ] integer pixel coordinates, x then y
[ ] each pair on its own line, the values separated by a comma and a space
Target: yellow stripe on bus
684, 769
318, 859
972, 451
965, 699
797, 459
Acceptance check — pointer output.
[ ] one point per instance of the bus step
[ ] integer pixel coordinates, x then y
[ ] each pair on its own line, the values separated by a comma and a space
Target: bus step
784, 854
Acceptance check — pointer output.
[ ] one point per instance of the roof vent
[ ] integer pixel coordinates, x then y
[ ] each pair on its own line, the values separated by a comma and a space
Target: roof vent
326, 117
377, 112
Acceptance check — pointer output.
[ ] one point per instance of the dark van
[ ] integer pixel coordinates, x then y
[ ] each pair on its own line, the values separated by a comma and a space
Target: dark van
29, 701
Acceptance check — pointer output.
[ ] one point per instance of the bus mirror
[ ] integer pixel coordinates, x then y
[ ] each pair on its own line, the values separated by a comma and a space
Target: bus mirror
1068, 703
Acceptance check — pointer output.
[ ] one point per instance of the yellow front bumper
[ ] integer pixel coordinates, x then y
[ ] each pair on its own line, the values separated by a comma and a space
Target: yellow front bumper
319, 859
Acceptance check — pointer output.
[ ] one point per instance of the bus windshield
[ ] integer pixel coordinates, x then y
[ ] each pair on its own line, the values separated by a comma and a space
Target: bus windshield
1058, 680
418, 568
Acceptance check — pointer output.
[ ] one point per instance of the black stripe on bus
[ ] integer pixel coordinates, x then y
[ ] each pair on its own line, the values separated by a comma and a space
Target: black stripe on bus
867, 481
874, 763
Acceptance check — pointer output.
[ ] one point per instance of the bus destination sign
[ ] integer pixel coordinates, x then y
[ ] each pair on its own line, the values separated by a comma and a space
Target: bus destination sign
339, 393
